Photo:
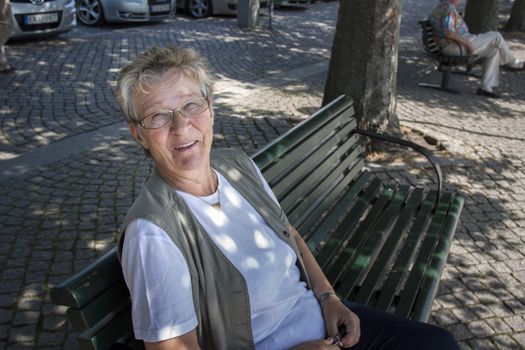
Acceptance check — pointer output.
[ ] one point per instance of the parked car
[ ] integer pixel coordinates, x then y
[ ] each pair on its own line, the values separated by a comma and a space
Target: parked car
33, 18
278, 3
205, 8
95, 12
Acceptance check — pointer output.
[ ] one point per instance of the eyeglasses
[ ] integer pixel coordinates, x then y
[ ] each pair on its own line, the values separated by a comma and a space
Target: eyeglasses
190, 109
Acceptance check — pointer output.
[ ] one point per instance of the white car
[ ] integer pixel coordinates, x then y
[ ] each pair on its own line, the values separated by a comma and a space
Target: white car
32, 18
205, 8
95, 12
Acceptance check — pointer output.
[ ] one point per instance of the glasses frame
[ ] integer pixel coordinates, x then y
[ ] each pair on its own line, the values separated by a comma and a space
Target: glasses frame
175, 110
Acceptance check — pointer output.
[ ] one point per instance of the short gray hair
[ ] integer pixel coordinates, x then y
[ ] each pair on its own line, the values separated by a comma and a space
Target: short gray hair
149, 66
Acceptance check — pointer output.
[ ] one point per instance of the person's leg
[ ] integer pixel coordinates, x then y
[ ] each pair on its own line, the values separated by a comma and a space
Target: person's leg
5, 31
487, 42
383, 331
490, 78
486, 48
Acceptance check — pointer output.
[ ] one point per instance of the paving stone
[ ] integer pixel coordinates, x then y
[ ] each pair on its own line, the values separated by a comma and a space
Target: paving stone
481, 344
465, 315
516, 322
520, 339
480, 329
498, 325
505, 342
461, 332
22, 335
46, 339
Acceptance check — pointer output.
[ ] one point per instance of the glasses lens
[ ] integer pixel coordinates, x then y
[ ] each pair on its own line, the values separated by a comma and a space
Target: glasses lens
157, 120
193, 108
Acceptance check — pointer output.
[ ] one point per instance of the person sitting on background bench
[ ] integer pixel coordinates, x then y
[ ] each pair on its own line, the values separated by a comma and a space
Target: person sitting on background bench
453, 36
208, 254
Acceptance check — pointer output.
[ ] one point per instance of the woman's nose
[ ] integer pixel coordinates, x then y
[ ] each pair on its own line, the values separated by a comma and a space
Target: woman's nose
178, 122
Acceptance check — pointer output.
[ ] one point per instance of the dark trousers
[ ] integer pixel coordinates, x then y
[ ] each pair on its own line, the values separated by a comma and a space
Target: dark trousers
381, 331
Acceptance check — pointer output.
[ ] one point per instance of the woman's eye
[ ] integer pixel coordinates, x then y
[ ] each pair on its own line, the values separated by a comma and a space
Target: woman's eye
162, 116
190, 106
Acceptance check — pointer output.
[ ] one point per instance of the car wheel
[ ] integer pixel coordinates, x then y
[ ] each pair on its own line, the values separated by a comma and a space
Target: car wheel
199, 8
89, 12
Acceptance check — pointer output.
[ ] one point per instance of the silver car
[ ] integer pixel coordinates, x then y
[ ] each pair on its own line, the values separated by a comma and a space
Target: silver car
95, 12
205, 8
32, 18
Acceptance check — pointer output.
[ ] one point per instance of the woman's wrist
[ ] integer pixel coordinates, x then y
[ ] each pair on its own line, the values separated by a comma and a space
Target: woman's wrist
329, 294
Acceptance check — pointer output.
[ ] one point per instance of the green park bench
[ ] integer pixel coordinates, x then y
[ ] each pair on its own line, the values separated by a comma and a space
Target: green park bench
446, 63
379, 243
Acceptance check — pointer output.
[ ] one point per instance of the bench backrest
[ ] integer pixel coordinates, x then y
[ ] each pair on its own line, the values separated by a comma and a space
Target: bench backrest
435, 51
310, 165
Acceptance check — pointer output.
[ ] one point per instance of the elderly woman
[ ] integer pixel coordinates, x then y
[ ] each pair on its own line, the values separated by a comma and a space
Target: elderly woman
206, 251
454, 37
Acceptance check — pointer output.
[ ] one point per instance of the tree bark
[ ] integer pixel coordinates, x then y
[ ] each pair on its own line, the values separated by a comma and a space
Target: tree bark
482, 16
517, 17
248, 13
364, 61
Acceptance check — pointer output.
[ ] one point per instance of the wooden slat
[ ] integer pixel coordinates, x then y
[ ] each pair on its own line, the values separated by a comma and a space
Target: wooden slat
369, 239
366, 254
430, 285
389, 250
280, 146
113, 299
406, 256
312, 149
107, 332
305, 219
78, 290
419, 270
319, 182
328, 223
346, 231
327, 155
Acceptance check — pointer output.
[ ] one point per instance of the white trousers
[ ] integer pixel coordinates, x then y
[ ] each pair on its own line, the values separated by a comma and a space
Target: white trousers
5, 29
493, 49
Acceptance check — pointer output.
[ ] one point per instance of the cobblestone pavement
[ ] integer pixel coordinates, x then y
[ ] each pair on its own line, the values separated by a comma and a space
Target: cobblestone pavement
69, 171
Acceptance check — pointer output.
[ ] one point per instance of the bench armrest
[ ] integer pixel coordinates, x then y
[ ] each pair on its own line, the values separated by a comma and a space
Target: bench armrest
420, 149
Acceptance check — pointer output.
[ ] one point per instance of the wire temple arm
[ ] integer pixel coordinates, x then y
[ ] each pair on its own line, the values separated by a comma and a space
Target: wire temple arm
424, 151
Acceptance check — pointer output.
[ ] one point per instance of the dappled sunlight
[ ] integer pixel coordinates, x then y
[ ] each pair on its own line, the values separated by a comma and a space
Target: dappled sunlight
261, 241
250, 264
232, 196
227, 243
217, 216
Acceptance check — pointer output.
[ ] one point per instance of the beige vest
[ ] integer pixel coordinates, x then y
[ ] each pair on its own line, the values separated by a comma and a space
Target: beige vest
220, 294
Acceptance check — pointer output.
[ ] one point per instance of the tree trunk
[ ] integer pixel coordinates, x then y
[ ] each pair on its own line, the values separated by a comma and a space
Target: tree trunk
248, 13
364, 61
482, 15
517, 17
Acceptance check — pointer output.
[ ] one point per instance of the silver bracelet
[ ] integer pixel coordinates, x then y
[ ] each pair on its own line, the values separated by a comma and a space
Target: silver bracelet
325, 295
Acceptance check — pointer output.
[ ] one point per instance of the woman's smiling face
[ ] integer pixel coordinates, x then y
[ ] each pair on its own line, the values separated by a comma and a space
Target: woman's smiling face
184, 145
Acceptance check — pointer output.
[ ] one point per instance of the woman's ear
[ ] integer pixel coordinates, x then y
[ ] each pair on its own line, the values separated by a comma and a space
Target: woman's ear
135, 132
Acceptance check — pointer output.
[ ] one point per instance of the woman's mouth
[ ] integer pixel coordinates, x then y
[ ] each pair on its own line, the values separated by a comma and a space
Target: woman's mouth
186, 146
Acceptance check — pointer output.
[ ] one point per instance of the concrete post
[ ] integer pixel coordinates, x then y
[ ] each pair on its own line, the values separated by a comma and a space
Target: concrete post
248, 13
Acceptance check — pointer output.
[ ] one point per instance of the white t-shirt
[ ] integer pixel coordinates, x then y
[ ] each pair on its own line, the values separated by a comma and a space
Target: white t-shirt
284, 312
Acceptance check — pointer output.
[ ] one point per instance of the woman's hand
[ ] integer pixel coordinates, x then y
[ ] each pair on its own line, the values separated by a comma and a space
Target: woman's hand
323, 344
336, 314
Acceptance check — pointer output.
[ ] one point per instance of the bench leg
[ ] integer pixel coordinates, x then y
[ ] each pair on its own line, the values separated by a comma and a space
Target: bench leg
468, 72
445, 82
